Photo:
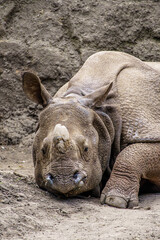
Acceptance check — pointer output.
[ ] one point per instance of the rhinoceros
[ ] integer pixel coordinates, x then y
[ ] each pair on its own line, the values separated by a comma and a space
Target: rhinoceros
100, 133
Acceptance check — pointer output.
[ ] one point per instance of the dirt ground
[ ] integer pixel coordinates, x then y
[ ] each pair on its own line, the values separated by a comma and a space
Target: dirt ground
27, 212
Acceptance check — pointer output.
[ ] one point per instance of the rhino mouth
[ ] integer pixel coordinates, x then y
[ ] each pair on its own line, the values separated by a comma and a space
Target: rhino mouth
76, 187
73, 193
77, 190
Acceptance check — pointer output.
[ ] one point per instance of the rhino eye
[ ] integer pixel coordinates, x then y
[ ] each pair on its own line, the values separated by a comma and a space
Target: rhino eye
86, 149
44, 150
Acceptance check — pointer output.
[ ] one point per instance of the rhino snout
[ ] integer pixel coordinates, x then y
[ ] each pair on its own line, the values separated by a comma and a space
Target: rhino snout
49, 179
78, 180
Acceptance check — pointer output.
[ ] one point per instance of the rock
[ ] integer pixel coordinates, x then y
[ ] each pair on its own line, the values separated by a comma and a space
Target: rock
5, 201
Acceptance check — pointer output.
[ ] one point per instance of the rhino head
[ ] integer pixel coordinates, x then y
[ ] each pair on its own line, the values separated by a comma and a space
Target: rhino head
72, 145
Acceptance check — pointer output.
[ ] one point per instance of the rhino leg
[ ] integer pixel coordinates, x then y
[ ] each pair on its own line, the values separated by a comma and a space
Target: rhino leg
137, 161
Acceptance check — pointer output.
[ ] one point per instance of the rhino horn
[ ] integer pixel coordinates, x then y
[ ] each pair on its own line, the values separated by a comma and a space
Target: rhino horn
60, 132
60, 136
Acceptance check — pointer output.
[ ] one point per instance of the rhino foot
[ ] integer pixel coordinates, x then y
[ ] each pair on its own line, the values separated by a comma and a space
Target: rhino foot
113, 201
117, 201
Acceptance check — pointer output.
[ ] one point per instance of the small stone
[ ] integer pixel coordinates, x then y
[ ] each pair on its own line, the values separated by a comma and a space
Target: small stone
21, 195
136, 207
19, 199
5, 201
147, 208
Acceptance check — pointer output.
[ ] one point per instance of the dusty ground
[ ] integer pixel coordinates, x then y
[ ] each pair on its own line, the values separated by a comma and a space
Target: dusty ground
27, 212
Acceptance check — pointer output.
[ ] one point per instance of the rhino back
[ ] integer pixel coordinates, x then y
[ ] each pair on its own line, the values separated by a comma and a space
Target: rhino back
100, 69
136, 90
154, 65
139, 98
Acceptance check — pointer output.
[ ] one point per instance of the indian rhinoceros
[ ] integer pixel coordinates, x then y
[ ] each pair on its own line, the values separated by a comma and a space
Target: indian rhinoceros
100, 133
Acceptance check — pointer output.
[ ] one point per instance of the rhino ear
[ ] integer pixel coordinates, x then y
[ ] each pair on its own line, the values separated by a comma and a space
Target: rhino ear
96, 98
34, 89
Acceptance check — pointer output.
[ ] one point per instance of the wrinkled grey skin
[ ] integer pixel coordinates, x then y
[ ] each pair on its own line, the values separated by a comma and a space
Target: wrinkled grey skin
105, 118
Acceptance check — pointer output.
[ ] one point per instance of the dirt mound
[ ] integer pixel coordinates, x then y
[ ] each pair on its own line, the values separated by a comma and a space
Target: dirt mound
54, 38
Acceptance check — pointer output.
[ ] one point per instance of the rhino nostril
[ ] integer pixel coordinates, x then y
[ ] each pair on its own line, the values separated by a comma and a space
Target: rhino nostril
49, 178
75, 175
79, 178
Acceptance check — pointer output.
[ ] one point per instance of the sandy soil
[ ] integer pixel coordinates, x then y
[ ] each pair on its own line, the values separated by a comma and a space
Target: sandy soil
27, 212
